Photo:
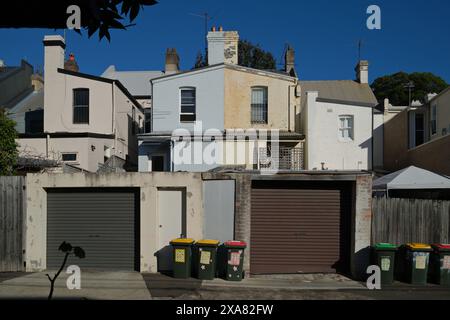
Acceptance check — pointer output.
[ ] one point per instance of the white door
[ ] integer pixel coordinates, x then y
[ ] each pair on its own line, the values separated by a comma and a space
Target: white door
171, 208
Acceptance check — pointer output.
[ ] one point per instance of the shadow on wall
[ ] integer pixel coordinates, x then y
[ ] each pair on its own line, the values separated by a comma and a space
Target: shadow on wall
361, 260
368, 144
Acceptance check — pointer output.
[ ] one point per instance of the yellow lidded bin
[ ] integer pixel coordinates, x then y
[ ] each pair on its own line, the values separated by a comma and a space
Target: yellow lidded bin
182, 241
207, 242
418, 246
205, 256
182, 255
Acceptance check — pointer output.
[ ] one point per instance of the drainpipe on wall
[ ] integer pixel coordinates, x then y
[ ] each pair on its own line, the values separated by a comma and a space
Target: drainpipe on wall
151, 111
172, 146
289, 108
47, 143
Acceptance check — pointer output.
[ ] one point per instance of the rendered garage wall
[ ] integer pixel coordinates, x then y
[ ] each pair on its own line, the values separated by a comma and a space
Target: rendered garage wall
36, 214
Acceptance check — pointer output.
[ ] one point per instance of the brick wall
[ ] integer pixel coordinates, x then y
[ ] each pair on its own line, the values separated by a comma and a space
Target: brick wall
362, 226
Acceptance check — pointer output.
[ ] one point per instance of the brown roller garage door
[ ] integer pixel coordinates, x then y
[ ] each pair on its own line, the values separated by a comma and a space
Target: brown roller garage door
300, 227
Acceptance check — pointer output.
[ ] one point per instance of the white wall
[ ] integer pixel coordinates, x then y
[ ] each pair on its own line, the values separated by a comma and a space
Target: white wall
88, 158
58, 105
209, 84
323, 144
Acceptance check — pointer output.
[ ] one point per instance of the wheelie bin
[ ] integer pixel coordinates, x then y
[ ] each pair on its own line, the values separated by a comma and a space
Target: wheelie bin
439, 272
384, 257
205, 253
231, 262
182, 253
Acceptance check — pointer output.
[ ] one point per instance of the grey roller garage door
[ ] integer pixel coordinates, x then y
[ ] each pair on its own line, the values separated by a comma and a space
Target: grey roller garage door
300, 227
102, 222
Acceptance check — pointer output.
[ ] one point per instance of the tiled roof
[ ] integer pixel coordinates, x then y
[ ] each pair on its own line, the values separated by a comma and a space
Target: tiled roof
341, 91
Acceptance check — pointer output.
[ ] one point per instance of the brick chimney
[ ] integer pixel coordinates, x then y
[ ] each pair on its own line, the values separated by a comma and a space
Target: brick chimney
37, 81
222, 46
289, 61
71, 64
172, 61
362, 71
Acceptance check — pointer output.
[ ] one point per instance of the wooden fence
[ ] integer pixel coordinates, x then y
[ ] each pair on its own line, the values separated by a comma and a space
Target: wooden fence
401, 221
12, 211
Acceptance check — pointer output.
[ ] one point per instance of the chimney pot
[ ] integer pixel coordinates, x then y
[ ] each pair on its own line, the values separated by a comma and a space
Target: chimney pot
213, 29
220, 28
71, 64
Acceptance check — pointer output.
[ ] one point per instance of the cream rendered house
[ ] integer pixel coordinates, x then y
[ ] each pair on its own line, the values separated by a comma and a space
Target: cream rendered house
88, 120
223, 115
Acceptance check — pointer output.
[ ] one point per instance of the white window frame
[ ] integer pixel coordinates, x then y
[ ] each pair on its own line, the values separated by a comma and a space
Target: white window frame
70, 161
195, 105
351, 136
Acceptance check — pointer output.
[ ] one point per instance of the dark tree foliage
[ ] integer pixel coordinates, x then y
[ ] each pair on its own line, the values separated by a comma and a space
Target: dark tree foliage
249, 55
253, 56
200, 61
101, 15
393, 87
8, 145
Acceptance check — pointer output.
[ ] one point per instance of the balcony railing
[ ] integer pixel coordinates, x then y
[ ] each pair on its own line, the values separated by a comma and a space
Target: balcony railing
286, 159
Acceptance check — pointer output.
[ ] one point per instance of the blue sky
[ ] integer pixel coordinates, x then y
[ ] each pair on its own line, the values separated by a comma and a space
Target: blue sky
415, 36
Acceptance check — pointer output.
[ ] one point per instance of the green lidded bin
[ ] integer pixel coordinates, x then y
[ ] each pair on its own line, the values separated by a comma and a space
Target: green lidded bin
231, 260
384, 257
439, 272
205, 253
182, 253
417, 256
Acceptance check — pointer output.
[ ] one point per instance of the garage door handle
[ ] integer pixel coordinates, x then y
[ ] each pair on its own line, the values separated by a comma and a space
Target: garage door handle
94, 236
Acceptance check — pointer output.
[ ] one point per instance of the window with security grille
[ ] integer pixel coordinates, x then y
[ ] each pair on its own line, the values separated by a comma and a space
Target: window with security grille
81, 106
187, 105
259, 105
346, 128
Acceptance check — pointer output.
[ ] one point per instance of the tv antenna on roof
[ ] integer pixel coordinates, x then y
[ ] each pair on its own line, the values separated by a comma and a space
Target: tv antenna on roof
360, 45
207, 18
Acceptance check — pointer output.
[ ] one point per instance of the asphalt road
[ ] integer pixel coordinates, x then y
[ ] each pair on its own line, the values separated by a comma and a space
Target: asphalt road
192, 289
